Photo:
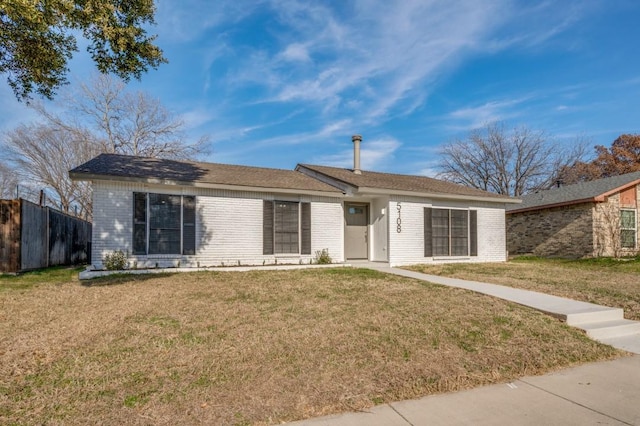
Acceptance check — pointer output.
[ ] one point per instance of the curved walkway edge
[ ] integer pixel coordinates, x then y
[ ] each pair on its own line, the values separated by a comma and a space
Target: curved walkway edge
601, 323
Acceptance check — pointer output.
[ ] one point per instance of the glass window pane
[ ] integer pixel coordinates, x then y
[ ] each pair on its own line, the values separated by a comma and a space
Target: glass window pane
139, 207
628, 238
189, 225
140, 238
164, 241
459, 233
286, 227
139, 223
628, 219
164, 224
440, 232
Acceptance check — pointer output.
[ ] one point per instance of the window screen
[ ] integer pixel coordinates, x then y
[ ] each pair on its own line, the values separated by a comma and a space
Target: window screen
189, 225
450, 232
440, 232
286, 227
459, 233
628, 229
139, 223
164, 224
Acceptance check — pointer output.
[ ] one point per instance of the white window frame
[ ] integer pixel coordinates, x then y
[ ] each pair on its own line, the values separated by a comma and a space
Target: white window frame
634, 229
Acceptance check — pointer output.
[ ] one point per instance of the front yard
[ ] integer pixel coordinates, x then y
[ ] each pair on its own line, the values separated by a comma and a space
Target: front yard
605, 281
245, 348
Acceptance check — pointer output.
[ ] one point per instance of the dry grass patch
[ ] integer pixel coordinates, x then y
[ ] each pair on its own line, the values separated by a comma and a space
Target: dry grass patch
259, 347
607, 282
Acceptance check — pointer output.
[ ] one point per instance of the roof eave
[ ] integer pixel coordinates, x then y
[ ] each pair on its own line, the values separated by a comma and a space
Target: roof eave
153, 181
620, 188
340, 184
598, 199
446, 196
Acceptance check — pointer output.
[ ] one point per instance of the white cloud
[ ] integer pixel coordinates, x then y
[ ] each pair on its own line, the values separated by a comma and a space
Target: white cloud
187, 20
381, 56
296, 52
478, 116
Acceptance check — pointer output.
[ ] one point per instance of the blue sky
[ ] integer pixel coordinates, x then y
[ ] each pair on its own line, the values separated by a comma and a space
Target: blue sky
281, 82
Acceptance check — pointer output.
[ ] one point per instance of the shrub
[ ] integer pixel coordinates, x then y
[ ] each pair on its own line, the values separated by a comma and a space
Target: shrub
115, 261
322, 257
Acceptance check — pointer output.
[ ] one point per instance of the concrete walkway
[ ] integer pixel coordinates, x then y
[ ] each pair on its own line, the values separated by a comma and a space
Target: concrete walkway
601, 323
603, 393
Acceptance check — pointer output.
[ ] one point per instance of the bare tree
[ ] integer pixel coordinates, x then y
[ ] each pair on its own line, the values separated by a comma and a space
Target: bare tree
511, 163
42, 156
100, 117
8, 182
131, 123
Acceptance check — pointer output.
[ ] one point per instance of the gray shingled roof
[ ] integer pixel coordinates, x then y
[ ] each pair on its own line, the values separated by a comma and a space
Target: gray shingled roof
574, 194
127, 167
399, 182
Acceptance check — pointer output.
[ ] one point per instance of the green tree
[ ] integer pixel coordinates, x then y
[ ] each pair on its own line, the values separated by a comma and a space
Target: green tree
37, 38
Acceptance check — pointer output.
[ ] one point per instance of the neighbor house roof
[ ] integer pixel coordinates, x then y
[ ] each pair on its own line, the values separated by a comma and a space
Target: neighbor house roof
154, 170
585, 192
375, 182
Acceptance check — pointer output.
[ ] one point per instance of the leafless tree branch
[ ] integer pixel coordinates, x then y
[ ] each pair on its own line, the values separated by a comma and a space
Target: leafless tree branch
509, 162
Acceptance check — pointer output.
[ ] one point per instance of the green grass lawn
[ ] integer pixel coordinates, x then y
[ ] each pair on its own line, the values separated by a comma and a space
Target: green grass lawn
256, 347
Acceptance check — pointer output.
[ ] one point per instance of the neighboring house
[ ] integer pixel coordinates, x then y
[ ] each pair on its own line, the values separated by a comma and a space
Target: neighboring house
597, 218
170, 213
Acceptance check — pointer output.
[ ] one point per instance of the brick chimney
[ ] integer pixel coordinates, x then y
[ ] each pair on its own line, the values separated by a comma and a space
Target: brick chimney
356, 139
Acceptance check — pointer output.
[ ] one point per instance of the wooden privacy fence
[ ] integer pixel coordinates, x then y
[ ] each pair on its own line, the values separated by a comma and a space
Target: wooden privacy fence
33, 237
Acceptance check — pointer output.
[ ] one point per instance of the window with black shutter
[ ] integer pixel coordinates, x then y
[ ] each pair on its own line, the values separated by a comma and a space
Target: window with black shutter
286, 227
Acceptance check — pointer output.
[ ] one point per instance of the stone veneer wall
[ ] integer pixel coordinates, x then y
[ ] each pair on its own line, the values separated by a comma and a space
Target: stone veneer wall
554, 232
606, 230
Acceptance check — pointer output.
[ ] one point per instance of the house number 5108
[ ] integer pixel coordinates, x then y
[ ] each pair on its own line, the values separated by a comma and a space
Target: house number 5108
399, 219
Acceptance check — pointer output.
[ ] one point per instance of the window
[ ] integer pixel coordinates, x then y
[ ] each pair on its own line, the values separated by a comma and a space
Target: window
628, 229
449, 232
286, 227
163, 224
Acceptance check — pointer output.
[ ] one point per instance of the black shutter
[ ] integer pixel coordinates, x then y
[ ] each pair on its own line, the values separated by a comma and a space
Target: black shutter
428, 234
139, 223
305, 227
473, 232
189, 225
267, 227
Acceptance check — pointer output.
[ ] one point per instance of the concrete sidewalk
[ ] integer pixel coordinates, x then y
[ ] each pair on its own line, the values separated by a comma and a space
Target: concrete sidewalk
603, 393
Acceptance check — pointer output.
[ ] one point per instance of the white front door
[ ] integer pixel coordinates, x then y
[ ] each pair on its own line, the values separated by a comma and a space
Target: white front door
356, 231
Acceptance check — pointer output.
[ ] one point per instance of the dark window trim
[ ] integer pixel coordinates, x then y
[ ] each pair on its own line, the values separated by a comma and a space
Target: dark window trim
189, 251
471, 238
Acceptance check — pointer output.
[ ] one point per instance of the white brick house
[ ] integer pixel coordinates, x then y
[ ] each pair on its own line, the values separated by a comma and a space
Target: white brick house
166, 213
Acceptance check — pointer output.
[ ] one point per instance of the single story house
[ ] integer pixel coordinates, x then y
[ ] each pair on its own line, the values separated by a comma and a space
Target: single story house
165, 213
590, 219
